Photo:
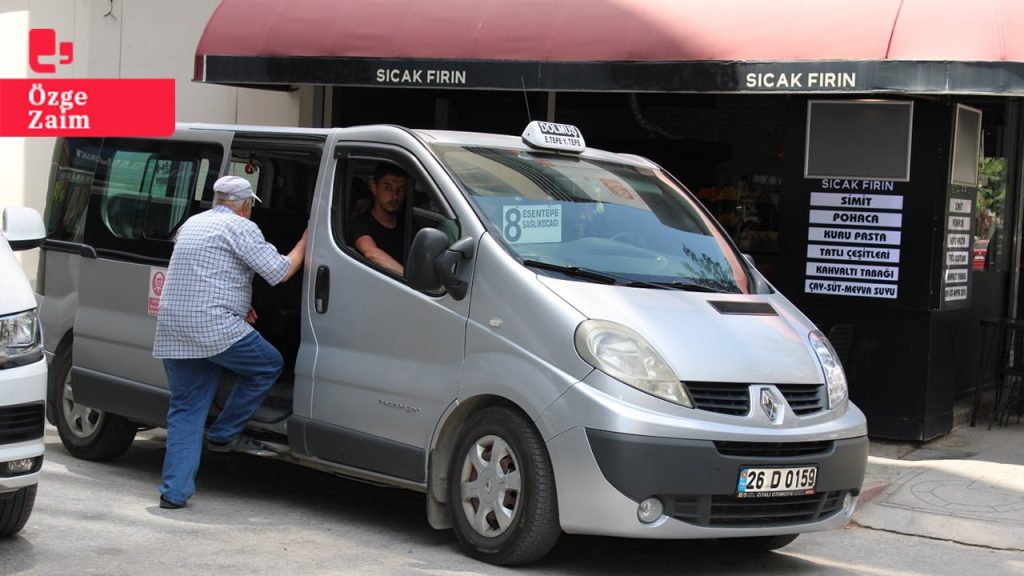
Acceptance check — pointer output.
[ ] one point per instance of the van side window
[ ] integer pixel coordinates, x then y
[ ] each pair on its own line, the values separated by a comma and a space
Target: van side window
357, 210
148, 196
76, 160
142, 191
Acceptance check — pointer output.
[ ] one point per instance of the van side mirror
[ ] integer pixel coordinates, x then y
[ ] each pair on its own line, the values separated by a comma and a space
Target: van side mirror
23, 227
432, 264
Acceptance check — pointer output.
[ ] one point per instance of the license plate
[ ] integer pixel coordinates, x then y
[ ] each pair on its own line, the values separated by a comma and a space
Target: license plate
757, 482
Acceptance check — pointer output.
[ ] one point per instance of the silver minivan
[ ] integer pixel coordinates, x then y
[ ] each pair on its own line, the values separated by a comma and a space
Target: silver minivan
575, 344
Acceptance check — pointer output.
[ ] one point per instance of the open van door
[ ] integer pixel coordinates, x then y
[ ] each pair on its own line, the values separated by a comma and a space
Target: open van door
139, 192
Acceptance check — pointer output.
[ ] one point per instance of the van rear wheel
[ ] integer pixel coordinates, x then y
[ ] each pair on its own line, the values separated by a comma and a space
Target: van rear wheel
502, 490
87, 433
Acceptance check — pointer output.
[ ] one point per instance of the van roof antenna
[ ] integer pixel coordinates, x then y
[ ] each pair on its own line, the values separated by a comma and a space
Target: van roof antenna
529, 117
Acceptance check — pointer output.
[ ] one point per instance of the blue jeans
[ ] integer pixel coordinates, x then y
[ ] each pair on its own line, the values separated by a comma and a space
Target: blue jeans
194, 383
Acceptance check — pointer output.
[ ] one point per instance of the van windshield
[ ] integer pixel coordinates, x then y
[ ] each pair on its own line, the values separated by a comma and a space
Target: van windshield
596, 220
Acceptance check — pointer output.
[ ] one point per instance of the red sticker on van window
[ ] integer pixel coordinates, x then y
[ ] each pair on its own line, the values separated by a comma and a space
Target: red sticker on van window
86, 107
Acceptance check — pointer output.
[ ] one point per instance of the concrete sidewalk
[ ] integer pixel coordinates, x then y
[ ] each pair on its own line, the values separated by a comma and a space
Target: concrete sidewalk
966, 487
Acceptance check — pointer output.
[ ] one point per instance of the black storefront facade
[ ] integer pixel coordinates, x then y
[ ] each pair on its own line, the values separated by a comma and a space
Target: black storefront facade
882, 197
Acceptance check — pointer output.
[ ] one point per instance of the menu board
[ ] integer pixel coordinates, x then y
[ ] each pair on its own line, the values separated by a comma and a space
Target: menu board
955, 282
853, 239
958, 235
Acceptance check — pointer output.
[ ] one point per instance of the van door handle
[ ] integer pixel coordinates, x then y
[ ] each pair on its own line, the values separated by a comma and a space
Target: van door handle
322, 289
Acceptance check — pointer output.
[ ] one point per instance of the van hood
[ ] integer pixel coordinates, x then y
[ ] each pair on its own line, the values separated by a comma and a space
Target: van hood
700, 342
15, 292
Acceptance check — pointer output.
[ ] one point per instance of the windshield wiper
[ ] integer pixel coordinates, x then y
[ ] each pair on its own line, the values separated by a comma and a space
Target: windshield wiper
588, 274
618, 280
694, 287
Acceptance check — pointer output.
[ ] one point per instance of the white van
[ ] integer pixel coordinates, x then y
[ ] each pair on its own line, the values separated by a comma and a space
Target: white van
575, 344
22, 373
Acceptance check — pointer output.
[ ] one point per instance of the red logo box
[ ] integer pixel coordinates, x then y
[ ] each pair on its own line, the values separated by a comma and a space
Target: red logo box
81, 107
87, 107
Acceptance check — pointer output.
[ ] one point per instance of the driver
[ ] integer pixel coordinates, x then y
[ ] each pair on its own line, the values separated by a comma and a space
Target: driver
378, 232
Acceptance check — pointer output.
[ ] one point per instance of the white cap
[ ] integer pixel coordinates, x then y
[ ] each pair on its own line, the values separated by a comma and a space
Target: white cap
234, 188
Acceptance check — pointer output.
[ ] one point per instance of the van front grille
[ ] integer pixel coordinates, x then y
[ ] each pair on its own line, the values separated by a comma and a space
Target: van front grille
773, 449
804, 398
729, 511
734, 399
20, 423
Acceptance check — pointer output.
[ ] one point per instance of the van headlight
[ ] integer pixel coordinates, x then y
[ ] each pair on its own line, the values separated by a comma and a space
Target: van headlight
835, 378
624, 355
20, 339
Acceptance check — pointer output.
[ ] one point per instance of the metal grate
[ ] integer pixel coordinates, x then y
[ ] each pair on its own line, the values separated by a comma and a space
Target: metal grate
729, 511
804, 399
20, 423
733, 399
772, 449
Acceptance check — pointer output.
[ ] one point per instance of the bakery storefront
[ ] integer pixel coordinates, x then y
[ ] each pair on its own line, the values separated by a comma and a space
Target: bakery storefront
867, 154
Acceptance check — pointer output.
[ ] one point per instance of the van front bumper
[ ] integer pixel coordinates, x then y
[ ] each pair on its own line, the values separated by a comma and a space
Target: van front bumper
612, 455
22, 414
601, 478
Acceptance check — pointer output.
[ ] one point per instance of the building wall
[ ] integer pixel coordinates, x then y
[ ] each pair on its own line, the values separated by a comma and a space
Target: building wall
122, 39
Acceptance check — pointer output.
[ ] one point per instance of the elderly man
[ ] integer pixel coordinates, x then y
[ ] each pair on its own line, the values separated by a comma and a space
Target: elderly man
203, 326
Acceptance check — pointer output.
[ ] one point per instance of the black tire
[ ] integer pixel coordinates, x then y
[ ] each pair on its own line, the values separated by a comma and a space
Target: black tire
532, 527
86, 433
15, 510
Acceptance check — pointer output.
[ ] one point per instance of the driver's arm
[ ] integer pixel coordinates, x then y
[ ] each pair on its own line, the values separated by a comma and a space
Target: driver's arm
367, 247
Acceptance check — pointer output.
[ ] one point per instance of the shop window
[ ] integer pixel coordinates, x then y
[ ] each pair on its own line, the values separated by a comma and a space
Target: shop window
748, 209
991, 240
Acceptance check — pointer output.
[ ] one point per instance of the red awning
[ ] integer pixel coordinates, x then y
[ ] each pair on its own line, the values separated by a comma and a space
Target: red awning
262, 32
621, 30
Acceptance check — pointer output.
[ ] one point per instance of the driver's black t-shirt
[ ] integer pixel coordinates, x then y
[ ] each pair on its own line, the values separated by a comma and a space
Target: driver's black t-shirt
390, 240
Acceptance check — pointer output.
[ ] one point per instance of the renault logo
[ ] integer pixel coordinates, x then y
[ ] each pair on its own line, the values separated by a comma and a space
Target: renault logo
770, 404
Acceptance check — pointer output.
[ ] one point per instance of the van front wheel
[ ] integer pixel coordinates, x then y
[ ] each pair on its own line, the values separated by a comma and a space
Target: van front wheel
15, 509
87, 433
502, 490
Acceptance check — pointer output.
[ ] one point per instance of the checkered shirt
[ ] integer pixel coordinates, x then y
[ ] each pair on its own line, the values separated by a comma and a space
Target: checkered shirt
209, 284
